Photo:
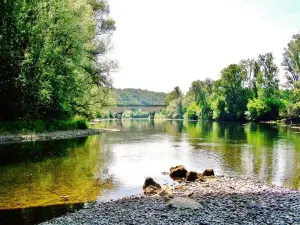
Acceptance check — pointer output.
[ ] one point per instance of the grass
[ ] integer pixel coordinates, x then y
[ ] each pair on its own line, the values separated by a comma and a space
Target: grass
77, 122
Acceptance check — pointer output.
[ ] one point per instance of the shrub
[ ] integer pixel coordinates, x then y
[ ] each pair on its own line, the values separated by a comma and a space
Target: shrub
81, 122
192, 111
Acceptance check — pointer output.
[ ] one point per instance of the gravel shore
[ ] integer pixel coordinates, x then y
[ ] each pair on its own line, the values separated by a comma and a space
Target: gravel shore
56, 135
224, 200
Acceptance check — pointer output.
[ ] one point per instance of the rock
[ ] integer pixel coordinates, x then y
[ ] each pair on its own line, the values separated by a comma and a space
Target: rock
191, 176
150, 182
181, 202
208, 172
151, 190
180, 188
200, 178
166, 193
178, 171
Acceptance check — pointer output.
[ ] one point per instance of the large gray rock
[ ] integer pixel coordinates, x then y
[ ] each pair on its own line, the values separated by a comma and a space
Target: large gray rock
181, 202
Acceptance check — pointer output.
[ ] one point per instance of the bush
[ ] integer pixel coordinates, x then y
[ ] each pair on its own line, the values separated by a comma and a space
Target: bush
219, 109
77, 122
81, 122
135, 114
159, 116
192, 111
267, 109
256, 109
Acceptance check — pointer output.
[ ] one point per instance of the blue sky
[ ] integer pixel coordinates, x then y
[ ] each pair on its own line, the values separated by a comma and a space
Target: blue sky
164, 43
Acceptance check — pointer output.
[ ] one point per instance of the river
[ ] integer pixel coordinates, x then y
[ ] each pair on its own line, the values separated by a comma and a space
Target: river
34, 176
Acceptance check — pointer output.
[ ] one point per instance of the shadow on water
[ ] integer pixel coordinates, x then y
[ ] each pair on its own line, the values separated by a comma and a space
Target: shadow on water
35, 176
37, 151
35, 215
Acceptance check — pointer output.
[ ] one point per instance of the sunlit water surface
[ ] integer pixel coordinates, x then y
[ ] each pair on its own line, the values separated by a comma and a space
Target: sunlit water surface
35, 176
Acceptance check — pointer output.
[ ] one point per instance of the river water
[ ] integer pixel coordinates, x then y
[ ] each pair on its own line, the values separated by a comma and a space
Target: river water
35, 176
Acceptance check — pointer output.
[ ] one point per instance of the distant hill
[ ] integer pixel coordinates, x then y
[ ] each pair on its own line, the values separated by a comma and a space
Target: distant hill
132, 96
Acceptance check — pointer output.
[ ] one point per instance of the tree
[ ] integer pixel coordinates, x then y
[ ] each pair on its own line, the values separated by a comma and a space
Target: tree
52, 62
291, 59
251, 67
175, 94
268, 80
232, 85
202, 92
266, 104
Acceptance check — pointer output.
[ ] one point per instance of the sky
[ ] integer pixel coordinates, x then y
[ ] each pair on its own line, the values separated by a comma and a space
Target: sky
160, 44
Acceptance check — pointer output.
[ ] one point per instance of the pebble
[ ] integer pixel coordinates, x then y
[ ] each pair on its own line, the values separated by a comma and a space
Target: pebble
250, 202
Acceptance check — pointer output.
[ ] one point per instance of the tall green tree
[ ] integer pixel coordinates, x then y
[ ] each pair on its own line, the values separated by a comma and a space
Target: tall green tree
232, 86
291, 59
175, 94
52, 64
267, 104
202, 92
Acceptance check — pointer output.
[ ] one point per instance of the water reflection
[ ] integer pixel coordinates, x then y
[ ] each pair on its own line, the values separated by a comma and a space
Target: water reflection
268, 152
114, 165
39, 174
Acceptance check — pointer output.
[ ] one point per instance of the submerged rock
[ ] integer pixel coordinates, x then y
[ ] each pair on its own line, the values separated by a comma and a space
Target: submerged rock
178, 171
208, 172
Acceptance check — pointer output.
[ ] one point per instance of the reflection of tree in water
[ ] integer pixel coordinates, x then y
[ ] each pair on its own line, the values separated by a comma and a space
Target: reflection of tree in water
174, 129
253, 149
43, 182
36, 215
218, 137
262, 139
37, 151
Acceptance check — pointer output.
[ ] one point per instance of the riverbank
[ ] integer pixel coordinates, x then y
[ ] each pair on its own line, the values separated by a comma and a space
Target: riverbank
223, 200
55, 135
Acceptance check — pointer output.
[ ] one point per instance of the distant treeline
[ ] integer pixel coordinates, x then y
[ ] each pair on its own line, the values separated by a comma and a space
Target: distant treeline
249, 90
131, 96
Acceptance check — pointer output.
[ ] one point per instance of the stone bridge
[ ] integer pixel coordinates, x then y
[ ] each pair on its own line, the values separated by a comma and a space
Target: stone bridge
151, 109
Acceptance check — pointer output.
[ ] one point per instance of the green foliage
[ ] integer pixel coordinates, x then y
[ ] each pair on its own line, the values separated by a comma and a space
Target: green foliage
192, 111
135, 114
51, 64
262, 109
131, 96
160, 116
175, 109
291, 60
219, 107
77, 122
175, 94
106, 114
81, 122
249, 90
201, 92
232, 81
256, 109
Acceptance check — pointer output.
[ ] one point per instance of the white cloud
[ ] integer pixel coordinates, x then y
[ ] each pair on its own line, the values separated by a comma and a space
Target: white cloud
164, 43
